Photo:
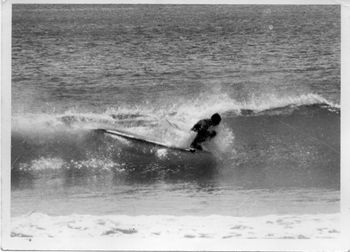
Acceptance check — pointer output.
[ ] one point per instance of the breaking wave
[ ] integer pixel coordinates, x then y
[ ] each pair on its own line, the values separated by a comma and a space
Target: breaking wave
260, 142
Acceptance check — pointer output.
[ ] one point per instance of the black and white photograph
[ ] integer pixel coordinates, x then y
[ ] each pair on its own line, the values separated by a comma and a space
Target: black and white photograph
189, 123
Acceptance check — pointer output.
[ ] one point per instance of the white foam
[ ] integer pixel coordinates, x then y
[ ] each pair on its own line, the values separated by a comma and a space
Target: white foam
317, 226
46, 163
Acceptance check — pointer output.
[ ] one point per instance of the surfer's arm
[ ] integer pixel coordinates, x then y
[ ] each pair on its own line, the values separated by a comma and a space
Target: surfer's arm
196, 127
212, 134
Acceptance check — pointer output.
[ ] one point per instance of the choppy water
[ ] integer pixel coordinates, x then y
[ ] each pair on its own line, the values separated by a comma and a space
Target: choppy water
273, 72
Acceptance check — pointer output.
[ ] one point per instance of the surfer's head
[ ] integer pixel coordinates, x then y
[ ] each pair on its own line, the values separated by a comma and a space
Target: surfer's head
216, 119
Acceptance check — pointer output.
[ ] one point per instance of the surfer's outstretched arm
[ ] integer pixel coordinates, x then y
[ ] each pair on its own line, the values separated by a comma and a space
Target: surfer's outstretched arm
196, 127
199, 126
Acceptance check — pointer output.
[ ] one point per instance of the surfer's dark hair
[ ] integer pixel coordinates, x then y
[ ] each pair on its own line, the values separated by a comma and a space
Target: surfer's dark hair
216, 119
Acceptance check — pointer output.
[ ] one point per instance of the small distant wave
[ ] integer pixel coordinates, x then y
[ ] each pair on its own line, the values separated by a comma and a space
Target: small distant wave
307, 109
273, 102
213, 227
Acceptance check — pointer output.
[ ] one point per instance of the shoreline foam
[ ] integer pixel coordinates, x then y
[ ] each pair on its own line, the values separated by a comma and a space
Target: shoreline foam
318, 226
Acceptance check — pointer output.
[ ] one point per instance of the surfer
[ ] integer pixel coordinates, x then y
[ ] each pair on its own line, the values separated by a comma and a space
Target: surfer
205, 130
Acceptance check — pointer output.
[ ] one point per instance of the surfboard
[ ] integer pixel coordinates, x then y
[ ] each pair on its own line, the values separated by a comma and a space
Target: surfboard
140, 139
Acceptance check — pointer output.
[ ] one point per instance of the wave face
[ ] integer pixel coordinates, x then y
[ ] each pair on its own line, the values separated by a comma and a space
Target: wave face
293, 141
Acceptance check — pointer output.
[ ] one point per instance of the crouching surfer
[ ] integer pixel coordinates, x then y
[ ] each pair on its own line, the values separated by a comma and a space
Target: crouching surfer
205, 129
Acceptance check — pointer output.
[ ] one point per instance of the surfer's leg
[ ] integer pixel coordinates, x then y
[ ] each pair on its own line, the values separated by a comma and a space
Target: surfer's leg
200, 138
195, 144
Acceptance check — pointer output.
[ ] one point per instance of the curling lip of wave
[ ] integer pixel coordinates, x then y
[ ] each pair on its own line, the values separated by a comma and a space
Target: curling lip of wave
147, 115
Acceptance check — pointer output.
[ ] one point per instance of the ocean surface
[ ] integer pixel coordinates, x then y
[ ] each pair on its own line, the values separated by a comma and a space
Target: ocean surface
272, 72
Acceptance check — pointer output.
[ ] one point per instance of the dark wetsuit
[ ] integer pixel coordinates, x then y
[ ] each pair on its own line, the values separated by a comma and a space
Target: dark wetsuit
204, 132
